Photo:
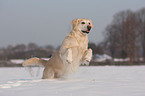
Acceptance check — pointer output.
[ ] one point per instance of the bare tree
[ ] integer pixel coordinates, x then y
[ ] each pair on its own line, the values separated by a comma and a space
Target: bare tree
121, 35
19, 47
32, 46
97, 49
141, 29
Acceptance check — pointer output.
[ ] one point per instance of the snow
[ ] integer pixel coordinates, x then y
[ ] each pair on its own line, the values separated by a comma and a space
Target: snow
88, 81
102, 58
121, 60
17, 61
45, 58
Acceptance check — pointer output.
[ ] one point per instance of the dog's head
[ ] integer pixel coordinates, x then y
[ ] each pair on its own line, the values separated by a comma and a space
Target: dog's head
82, 25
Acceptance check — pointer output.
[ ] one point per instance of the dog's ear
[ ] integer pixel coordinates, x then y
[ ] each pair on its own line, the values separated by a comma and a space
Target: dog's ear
74, 23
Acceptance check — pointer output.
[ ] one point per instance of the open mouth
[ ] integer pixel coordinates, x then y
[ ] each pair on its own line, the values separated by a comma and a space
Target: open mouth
86, 32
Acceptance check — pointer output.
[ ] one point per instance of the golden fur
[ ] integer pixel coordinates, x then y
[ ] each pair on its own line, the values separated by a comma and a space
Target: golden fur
73, 51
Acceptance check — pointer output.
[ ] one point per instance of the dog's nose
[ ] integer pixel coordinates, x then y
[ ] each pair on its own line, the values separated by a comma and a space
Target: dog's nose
89, 28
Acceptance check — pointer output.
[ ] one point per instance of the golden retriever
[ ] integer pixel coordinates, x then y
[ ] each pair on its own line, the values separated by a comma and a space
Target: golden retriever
73, 51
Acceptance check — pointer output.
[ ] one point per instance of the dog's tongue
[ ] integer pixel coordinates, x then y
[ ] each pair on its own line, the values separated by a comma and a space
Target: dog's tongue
85, 33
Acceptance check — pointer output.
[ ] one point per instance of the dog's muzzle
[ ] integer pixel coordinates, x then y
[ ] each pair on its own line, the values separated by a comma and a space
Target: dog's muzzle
88, 30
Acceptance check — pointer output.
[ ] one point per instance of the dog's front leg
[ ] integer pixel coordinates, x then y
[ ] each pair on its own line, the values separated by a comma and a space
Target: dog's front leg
87, 57
66, 56
69, 56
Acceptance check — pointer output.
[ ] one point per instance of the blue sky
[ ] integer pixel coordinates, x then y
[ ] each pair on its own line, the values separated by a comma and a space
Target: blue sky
48, 21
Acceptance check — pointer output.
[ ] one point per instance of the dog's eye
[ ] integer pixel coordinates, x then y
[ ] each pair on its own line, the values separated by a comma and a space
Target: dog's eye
83, 22
89, 23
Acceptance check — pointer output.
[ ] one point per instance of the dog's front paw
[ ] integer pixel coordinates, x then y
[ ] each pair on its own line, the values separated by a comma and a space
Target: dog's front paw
87, 57
86, 62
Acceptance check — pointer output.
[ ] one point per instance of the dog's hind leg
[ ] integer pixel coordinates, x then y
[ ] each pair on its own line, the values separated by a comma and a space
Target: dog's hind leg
48, 73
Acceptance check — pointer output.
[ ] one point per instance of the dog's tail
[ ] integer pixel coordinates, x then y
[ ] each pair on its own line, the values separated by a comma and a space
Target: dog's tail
35, 61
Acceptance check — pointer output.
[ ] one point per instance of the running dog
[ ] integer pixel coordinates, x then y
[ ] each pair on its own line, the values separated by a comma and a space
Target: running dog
73, 51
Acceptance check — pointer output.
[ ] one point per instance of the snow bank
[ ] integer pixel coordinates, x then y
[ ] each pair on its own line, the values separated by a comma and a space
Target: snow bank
102, 58
121, 60
17, 61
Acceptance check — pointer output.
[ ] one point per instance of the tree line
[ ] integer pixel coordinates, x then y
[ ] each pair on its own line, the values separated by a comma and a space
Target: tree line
22, 51
125, 35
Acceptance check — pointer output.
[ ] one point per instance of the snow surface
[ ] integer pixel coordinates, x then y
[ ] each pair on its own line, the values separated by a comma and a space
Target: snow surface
88, 81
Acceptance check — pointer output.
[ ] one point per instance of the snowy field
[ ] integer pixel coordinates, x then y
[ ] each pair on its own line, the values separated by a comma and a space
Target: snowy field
88, 81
